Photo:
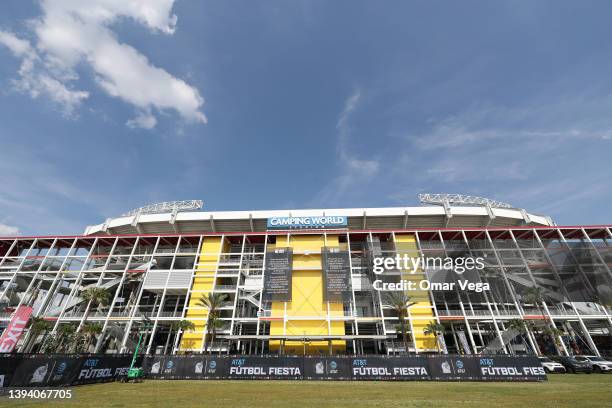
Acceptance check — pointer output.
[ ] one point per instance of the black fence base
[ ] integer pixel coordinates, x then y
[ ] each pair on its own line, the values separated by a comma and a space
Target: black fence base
395, 368
35, 370
61, 370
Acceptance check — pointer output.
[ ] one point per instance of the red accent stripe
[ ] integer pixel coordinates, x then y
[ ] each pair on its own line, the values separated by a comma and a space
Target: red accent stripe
320, 231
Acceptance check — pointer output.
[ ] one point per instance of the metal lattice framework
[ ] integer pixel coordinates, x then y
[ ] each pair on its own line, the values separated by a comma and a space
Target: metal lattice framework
460, 199
155, 277
167, 207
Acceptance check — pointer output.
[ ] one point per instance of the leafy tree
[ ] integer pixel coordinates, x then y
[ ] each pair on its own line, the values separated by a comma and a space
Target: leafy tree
62, 341
434, 328
94, 297
177, 326
183, 325
535, 296
37, 325
90, 330
212, 302
522, 327
554, 334
400, 302
517, 325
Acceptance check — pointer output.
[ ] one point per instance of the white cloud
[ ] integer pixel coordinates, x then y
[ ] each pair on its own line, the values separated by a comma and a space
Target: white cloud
351, 163
144, 120
547, 166
349, 106
353, 170
8, 231
492, 125
18, 46
35, 81
73, 32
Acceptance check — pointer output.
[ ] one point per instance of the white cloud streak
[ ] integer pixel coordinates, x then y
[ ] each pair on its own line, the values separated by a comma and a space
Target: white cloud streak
74, 32
46, 203
353, 170
17, 46
8, 231
35, 81
491, 151
144, 120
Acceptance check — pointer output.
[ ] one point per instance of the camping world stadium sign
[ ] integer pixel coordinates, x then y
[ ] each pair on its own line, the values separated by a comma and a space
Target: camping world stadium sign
338, 221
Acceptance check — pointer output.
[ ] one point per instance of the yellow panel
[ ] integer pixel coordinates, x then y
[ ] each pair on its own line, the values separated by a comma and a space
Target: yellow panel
307, 298
307, 295
203, 283
422, 312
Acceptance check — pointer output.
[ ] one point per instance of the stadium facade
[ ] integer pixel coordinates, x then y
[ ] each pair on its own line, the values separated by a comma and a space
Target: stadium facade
158, 261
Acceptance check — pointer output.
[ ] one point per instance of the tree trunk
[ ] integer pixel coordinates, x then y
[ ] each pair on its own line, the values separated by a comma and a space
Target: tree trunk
550, 325
73, 344
88, 343
533, 341
206, 338
168, 340
29, 340
85, 317
59, 344
42, 343
404, 334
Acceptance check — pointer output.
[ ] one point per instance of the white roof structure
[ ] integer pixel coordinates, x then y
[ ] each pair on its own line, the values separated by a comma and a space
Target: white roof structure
461, 199
436, 216
167, 206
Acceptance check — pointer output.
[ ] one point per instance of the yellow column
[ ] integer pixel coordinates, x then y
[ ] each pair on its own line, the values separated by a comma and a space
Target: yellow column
422, 312
307, 312
203, 283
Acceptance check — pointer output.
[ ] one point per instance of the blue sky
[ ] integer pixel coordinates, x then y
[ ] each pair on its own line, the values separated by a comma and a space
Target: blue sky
276, 104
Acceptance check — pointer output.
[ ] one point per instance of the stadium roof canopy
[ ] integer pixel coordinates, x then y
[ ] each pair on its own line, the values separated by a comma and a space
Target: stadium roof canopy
435, 216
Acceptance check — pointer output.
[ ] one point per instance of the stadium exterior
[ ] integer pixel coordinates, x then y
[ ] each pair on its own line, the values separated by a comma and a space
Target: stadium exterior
157, 262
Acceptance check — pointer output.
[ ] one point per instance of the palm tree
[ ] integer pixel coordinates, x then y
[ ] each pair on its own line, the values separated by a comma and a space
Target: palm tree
37, 326
400, 302
212, 302
178, 326
520, 326
90, 330
535, 296
555, 333
94, 296
516, 324
64, 334
435, 329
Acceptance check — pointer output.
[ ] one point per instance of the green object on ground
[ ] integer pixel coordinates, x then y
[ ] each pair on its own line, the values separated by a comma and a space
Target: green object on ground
134, 373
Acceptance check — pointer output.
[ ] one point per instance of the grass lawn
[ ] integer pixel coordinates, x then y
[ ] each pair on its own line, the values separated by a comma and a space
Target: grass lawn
560, 391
